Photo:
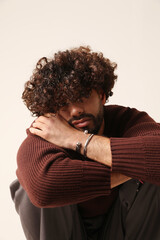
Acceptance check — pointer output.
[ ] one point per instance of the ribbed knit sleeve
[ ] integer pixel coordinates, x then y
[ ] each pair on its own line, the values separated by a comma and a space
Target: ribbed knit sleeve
136, 152
52, 178
137, 157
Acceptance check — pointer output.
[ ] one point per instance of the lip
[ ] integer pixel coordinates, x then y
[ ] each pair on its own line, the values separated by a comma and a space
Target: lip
81, 123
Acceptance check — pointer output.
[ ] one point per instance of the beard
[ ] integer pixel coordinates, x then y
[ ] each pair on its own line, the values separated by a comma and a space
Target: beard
97, 120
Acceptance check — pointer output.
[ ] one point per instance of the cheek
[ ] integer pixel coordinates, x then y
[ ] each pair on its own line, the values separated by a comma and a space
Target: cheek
93, 107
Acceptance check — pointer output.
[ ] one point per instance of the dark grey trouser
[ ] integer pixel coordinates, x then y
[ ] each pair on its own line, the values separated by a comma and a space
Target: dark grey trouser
134, 216
62, 223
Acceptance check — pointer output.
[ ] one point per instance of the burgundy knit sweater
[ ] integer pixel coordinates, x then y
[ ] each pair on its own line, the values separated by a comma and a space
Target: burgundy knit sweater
53, 176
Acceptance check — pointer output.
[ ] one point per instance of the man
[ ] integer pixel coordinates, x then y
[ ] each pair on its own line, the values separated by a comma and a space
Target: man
78, 153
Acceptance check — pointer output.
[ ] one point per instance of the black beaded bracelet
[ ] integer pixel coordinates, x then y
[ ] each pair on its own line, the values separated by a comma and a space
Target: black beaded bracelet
78, 147
79, 144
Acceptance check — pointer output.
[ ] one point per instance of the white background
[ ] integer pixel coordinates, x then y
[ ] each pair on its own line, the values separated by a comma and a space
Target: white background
126, 31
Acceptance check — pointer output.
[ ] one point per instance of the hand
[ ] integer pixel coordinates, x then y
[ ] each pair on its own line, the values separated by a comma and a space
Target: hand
54, 129
117, 179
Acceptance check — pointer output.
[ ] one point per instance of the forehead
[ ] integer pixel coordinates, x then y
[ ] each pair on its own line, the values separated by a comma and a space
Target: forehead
91, 97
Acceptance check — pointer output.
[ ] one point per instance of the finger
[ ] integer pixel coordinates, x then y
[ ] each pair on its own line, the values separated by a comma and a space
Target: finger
50, 115
35, 131
42, 119
38, 125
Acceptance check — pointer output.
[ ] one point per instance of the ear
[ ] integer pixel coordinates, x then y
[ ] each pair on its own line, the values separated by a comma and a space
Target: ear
102, 96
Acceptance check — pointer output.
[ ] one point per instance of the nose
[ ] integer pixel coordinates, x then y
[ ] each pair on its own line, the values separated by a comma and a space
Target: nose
76, 110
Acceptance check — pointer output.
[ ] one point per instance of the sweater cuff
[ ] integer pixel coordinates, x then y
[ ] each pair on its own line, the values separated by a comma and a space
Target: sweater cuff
101, 173
128, 156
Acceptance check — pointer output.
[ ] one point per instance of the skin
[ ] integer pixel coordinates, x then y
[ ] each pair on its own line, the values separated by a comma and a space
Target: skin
66, 128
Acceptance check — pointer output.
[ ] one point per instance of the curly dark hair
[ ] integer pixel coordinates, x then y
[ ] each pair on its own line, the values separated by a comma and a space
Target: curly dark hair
68, 77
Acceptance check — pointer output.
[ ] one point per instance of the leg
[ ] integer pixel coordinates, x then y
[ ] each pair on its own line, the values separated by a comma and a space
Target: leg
135, 215
62, 223
142, 221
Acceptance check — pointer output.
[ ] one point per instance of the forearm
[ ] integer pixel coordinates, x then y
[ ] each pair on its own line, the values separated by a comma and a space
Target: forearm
53, 178
133, 157
117, 179
137, 157
98, 148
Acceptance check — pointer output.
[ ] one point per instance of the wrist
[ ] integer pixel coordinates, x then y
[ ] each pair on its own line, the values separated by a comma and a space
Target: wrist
97, 147
77, 138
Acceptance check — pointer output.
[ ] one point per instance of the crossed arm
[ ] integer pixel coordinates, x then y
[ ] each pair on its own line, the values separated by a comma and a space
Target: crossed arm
52, 178
57, 131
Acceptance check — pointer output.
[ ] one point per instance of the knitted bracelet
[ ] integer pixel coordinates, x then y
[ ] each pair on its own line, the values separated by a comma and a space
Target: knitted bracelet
86, 144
